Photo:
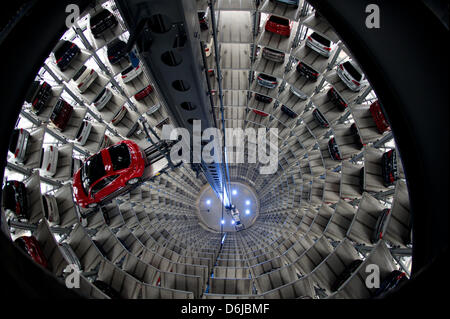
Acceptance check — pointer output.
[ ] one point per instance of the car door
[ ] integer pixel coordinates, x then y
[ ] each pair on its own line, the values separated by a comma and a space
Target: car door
104, 187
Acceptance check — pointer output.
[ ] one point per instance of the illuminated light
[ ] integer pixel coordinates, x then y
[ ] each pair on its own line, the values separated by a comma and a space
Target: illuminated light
247, 212
222, 222
208, 202
234, 192
232, 222
247, 202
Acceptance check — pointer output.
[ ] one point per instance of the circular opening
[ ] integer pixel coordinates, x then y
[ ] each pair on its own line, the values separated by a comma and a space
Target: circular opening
188, 106
180, 85
160, 23
171, 58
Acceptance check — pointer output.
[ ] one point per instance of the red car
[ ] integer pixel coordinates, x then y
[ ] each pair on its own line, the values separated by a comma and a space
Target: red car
31, 246
109, 173
61, 114
378, 116
142, 94
261, 113
278, 25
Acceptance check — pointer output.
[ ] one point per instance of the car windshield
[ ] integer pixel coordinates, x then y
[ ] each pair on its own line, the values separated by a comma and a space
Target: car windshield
279, 20
92, 171
99, 16
32, 92
320, 39
267, 77
63, 47
13, 142
352, 70
80, 71
120, 156
100, 95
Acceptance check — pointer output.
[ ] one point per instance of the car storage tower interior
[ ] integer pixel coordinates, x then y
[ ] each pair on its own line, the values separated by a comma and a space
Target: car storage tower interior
171, 237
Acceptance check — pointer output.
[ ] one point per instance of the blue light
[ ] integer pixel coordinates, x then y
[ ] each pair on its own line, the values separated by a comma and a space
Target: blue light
208, 202
232, 222
234, 192
247, 212
247, 202
223, 222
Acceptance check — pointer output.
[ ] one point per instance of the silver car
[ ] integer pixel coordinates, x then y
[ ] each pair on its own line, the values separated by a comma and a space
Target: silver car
83, 132
102, 99
49, 161
320, 44
298, 93
267, 81
84, 78
18, 144
51, 211
351, 75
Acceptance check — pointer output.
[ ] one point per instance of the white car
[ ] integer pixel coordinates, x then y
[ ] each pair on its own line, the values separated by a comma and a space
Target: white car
209, 46
83, 132
119, 115
131, 73
102, 99
84, 78
51, 211
351, 75
49, 161
153, 109
18, 144
320, 44
298, 93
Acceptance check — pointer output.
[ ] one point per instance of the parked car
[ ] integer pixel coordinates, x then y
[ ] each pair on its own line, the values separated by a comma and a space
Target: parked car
102, 99
84, 78
64, 53
351, 75
131, 73
319, 44
51, 211
320, 119
267, 81
389, 169
273, 55
262, 98
379, 117
31, 246
38, 95
346, 274
307, 71
261, 113
162, 123
70, 256
279, 25
116, 51
293, 3
202, 19
357, 138
107, 289
15, 198
393, 280
102, 21
379, 226
134, 60
288, 112
333, 148
49, 161
119, 115
18, 144
337, 99
298, 93
209, 47
108, 173
142, 94
83, 132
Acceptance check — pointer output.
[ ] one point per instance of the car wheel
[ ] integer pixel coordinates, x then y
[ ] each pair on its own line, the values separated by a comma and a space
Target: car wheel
133, 181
